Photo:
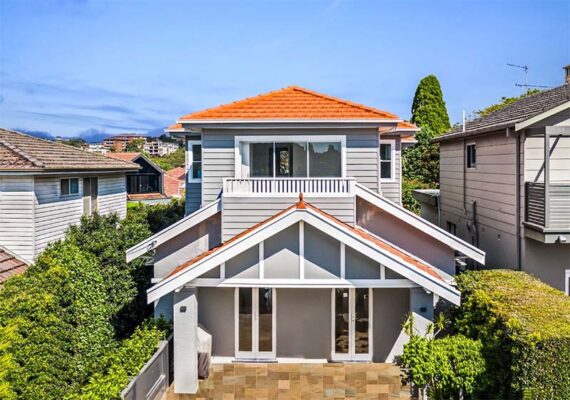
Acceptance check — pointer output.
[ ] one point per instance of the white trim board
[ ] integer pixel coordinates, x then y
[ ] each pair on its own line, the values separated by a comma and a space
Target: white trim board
174, 230
420, 223
328, 227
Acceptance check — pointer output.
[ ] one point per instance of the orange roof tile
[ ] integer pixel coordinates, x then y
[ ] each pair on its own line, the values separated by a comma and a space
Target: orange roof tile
10, 265
178, 172
123, 156
174, 127
290, 103
301, 205
173, 186
408, 139
405, 125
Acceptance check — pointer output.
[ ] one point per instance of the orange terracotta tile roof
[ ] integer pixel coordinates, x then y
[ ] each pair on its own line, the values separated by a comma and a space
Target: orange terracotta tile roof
301, 205
290, 103
173, 186
174, 127
178, 172
10, 265
408, 139
405, 125
123, 156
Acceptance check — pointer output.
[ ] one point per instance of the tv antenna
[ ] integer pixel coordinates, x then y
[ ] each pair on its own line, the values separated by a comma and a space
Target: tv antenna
525, 84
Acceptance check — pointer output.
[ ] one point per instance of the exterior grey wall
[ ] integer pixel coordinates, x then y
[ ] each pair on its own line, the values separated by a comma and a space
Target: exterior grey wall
218, 154
112, 194
17, 215
187, 245
559, 159
358, 266
405, 236
492, 185
241, 213
53, 214
390, 307
304, 323
193, 197
322, 255
216, 315
281, 254
392, 190
547, 262
244, 265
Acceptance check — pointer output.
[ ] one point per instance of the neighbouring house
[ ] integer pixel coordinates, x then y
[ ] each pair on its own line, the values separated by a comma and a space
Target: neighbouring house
47, 186
295, 247
175, 182
505, 185
145, 184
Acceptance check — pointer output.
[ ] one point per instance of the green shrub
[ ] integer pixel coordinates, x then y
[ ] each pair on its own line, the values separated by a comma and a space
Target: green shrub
157, 216
121, 365
524, 326
408, 201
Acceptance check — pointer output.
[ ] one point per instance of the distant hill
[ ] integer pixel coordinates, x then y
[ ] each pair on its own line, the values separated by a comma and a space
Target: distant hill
38, 134
93, 135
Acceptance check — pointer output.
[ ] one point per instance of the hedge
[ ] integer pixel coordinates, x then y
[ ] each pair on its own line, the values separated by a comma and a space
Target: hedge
524, 326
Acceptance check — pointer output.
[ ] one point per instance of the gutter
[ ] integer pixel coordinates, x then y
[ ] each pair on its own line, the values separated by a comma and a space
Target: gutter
461, 135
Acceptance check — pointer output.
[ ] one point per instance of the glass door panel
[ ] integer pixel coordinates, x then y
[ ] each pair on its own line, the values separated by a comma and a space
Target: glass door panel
341, 316
361, 321
265, 319
261, 158
255, 326
352, 324
245, 323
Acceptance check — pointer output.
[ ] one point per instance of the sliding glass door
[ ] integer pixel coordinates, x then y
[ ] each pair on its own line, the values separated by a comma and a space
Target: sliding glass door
255, 323
352, 324
290, 159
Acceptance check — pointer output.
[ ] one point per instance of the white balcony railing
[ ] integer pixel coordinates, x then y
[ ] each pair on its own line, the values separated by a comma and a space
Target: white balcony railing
288, 186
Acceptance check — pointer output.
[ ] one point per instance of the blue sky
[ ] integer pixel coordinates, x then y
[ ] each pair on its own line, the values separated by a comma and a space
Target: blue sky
134, 66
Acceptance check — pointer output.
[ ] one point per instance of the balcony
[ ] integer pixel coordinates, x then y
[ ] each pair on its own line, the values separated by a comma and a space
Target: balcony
288, 187
547, 207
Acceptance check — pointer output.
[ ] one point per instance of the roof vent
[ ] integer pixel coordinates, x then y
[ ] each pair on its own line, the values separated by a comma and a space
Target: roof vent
567, 74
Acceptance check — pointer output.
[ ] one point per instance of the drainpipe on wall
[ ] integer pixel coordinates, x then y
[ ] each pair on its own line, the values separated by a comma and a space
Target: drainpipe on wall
518, 198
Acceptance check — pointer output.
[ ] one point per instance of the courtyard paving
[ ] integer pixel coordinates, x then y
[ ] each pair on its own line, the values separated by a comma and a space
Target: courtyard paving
299, 381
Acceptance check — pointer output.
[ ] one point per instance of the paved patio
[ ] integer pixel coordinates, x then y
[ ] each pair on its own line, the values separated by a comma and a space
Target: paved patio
299, 381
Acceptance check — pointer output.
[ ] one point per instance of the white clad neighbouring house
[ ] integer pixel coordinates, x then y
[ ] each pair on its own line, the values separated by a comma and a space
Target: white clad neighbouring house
47, 186
295, 247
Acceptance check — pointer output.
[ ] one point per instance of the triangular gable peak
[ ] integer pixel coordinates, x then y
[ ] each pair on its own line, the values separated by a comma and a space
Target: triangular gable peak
409, 268
292, 103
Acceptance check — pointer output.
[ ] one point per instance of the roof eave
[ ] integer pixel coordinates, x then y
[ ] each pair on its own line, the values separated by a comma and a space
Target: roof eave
474, 132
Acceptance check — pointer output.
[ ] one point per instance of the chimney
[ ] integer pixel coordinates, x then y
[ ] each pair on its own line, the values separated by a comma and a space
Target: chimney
567, 74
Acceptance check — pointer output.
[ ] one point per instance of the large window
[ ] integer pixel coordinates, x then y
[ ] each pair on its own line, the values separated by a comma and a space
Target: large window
194, 154
471, 155
68, 187
387, 165
293, 158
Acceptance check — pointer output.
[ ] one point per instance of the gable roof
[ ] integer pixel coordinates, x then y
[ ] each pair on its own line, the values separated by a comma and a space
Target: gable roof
127, 156
21, 152
513, 113
292, 103
10, 265
410, 267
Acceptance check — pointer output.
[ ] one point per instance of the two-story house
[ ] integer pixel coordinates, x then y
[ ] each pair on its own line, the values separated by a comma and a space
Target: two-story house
505, 185
45, 187
296, 247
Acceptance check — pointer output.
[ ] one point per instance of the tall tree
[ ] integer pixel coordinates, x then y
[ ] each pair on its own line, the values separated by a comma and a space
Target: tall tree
428, 107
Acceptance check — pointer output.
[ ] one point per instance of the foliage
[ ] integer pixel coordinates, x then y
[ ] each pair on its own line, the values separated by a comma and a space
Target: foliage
108, 238
158, 216
408, 186
75, 142
524, 326
121, 365
172, 160
135, 145
505, 101
54, 325
428, 106
443, 367
421, 161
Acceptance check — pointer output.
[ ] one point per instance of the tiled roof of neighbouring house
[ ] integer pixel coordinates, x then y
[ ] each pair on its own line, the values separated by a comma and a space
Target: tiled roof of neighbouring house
10, 265
21, 152
174, 182
290, 103
301, 205
516, 112
123, 156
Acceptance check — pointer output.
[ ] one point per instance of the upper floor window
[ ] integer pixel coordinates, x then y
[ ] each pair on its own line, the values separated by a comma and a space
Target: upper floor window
194, 154
451, 228
471, 155
289, 157
387, 162
68, 187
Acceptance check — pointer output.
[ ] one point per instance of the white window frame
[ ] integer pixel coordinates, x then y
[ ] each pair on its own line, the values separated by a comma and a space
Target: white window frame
255, 353
567, 282
467, 145
392, 143
190, 160
289, 139
69, 187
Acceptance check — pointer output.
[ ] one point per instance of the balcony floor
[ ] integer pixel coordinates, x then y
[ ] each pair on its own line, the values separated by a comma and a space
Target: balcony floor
299, 381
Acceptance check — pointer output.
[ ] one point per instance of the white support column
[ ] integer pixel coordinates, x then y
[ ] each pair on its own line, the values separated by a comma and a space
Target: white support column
301, 249
185, 313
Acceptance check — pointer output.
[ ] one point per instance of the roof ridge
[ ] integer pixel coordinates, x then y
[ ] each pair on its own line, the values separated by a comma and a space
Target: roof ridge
21, 152
343, 101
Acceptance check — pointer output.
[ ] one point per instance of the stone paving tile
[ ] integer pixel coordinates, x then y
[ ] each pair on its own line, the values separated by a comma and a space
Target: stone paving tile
298, 382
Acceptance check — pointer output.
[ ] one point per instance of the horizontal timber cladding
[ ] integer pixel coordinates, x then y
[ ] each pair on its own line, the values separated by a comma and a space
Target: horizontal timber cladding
193, 197
112, 195
241, 213
17, 215
218, 155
